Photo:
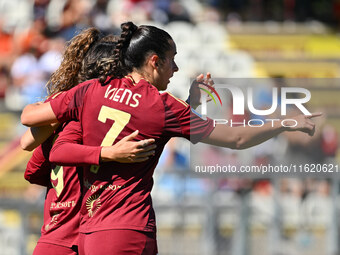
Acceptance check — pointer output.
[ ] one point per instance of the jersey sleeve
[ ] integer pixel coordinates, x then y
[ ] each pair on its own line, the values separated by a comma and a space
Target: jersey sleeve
68, 148
181, 120
68, 104
38, 168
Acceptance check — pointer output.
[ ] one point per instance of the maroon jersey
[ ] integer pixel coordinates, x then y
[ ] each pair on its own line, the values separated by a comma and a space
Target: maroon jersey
117, 196
63, 197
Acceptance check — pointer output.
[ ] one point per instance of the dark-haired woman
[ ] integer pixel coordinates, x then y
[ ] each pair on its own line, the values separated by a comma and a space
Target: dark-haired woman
117, 214
86, 57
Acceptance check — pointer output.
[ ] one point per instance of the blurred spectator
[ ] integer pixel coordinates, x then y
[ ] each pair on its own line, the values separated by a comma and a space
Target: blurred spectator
40, 9
17, 14
28, 81
172, 11
137, 10
329, 141
32, 37
5, 80
177, 12
31, 70
99, 17
73, 18
7, 45
51, 58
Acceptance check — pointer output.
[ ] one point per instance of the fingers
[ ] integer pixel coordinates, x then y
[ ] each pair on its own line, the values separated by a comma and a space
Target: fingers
308, 127
131, 136
208, 80
145, 143
147, 148
311, 133
200, 78
144, 154
137, 160
315, 114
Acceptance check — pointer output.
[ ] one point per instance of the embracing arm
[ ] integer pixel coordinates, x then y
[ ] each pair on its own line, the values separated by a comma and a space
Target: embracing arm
244, 137
38, 114
68, 150
128, 151
34, 136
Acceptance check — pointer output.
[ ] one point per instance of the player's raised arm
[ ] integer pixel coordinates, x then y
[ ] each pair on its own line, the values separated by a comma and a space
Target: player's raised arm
244, 137
38, 114
195, 91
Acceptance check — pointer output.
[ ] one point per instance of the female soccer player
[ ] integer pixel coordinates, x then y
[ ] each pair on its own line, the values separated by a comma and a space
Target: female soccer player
83, 59
117, 209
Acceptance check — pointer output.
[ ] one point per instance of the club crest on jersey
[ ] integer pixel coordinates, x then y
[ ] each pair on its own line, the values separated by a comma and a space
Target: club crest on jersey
93, 204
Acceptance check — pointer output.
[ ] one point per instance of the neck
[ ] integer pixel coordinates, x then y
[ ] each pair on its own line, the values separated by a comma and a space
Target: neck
145, 72
136, 76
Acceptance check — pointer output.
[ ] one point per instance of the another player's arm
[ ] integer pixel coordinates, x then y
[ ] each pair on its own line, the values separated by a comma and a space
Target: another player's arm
42, 114
38, 114
244, 137
34, 136
68, 149
128, 151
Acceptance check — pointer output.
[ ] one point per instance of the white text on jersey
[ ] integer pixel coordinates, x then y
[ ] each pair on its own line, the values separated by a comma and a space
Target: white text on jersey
123, 96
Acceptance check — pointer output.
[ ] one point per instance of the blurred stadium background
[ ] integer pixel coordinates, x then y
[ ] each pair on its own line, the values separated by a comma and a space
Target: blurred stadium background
279, 39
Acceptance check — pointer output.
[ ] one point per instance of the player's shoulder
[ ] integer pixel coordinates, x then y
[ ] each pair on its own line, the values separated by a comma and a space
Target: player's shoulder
83, 85
173, 100
89, 83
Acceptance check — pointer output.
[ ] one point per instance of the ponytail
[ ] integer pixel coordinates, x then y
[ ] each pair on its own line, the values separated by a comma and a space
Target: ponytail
128, 29
68, 74
135, 44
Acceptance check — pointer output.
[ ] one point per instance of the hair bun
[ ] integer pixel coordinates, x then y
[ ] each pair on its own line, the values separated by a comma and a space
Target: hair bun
128, 26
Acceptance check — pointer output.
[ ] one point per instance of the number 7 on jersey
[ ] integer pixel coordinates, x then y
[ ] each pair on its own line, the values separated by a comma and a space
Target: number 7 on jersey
120, 118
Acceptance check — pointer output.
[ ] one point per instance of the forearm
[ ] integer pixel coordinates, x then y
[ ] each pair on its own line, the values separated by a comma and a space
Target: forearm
242, 137
38, 114
75, 154
92, 155
34, 136
251, 136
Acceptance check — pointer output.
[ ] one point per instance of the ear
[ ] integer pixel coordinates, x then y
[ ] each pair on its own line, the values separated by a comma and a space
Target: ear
154, 61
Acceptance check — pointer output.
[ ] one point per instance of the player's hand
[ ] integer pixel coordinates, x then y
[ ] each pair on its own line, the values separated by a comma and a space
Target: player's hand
195, 92
129, 151
303, 123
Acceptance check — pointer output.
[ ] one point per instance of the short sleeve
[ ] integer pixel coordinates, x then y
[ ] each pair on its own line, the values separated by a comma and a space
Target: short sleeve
68, 104
181, 120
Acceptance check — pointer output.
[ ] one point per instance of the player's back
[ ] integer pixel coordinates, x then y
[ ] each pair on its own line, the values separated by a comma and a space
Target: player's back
108, 114
118, 195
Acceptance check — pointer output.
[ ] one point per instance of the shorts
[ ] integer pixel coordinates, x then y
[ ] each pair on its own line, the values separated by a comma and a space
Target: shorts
54, 249
118, 242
